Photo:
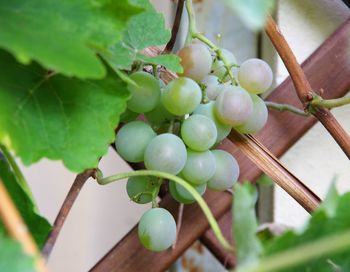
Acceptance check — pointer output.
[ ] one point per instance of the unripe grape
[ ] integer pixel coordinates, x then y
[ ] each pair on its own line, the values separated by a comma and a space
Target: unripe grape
199, 132
208, 110
196, 61
181, 96
132, 140
144, 96
157, 229
257, 120
226, 173
140, 188
233, 106
166, 153
218, 67
255, 75
181, 195
199, 167
212, 86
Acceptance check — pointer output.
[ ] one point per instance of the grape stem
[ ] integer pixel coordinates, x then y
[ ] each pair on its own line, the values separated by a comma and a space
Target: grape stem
286, 107
211, 219
194, 34
318, 101
178, 222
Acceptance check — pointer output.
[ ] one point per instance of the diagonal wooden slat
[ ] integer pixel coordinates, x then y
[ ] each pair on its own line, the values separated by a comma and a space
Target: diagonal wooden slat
282, 131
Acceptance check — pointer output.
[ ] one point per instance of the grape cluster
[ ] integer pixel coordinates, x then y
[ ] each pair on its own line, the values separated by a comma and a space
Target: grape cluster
182, 124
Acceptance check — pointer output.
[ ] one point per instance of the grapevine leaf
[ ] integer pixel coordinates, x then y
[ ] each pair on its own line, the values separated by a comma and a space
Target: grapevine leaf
37, 225
63, 35
245, 225
12, 257
58, 117
171, 62
252, 12
322, 224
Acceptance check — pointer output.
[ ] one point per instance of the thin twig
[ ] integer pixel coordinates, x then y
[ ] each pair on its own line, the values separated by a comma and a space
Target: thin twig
303, 87
286, 107
178, 223
17, 228
177, 21
318, 101
65, 209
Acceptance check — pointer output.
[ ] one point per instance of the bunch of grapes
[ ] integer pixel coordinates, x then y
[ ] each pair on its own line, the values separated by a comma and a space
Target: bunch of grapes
181, 125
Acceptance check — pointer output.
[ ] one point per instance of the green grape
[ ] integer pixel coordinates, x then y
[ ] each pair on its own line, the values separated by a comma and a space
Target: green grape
233, 106
128, 116
157, 229
132, 140
212, 86
140, 189
258, 118
146, 95
226, 173
159, 115
218, 68
199, 167
255, 75
166, 153
208, 111
199, 132
181, 96
181, 195
196, 61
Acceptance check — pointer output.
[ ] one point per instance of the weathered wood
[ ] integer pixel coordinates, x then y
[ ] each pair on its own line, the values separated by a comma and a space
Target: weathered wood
327, 68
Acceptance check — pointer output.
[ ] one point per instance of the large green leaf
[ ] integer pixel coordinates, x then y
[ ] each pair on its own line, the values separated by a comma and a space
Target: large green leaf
37, 225
252, 12
58, 117
245, 225
144, 30
333, 217
12, 258
63, 35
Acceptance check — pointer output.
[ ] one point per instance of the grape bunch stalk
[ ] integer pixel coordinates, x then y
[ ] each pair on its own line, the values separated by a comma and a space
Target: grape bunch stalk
181, 124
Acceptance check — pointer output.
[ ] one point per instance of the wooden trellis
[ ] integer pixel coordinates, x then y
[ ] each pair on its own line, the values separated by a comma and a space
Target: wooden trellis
327, 68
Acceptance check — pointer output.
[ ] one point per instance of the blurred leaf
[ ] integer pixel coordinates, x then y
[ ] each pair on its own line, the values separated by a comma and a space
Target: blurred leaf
58, 117
37, 225
245, 225
252, 12
63, 35
329, 204
265, 180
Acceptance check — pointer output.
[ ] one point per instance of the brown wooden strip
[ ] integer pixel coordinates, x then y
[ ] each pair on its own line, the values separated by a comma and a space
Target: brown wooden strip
327, 68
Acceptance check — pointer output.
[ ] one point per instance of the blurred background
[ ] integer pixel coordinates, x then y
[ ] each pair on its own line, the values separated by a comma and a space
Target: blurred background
103, 215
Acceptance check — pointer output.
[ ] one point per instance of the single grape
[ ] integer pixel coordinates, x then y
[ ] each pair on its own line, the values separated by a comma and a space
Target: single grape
218, 68
199, 167
181, 96
212, 86
181, 195
157, 229
255, 75
233, 105
132, 140
196, 61
208, 110
166, 153
144, 96
227, 171
257, 120
159, 115
199, 132
141, 188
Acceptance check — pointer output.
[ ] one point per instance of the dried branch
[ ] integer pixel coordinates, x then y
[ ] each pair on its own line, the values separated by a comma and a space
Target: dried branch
65, 209
176, 25
303, 87
17, 228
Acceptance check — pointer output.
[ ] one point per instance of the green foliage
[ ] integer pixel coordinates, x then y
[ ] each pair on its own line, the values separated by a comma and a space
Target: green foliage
58, 117
248, 246
252, 12
12, 258
144, 30
37, 225
63, 35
